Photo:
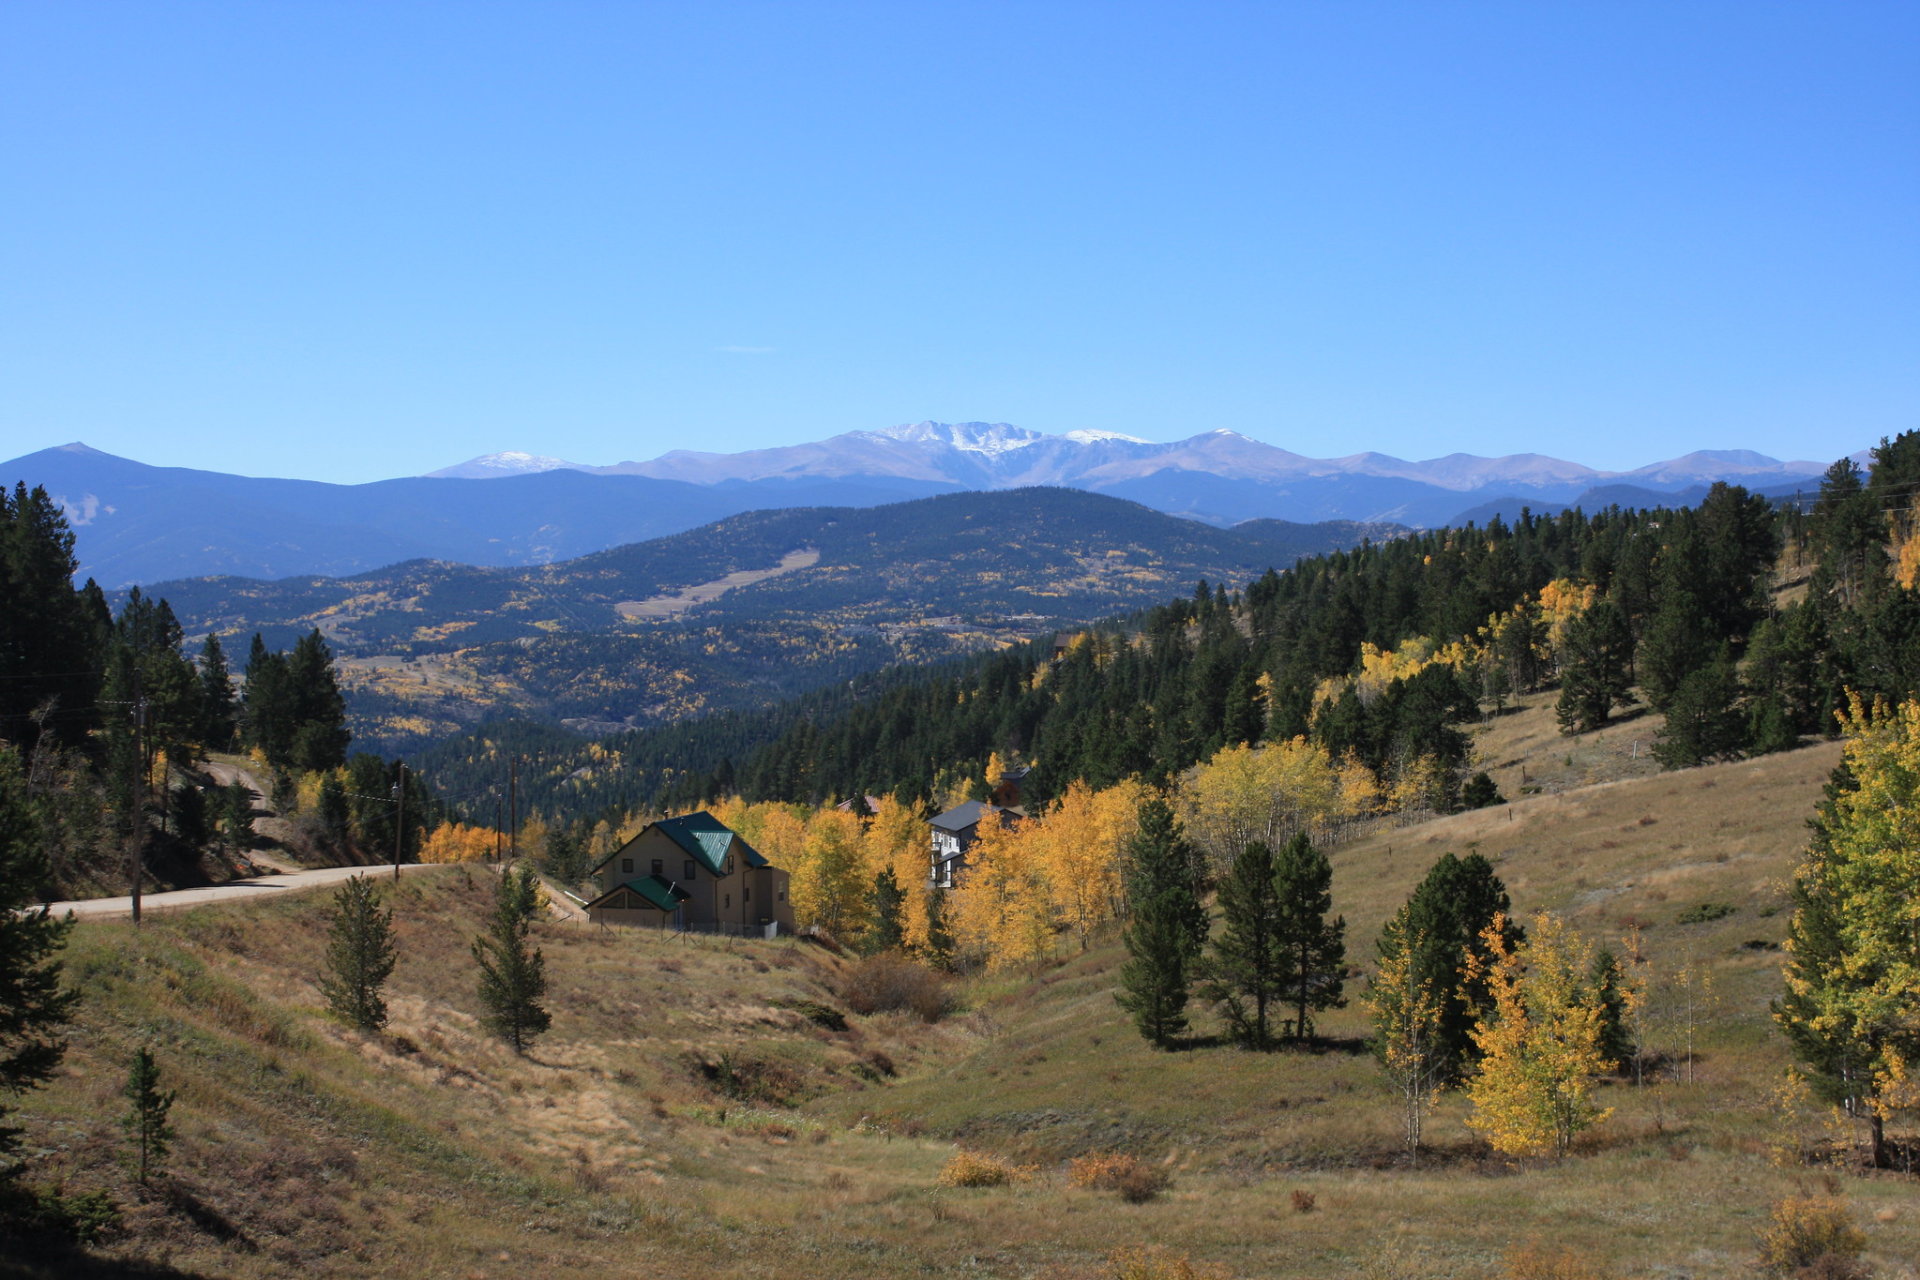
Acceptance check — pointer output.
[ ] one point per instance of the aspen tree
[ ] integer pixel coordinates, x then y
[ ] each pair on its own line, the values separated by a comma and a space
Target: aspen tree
1540, 1044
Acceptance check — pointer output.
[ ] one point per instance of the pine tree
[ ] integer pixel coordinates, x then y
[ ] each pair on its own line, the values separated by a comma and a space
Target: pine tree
1612, 996
33, 1008
146, 1120
1313, 949
1441, 928
320, 734
219, 709
513, 973
1167, 928
1704, 720
1594, 676
360, 955
1243, 971
885, 931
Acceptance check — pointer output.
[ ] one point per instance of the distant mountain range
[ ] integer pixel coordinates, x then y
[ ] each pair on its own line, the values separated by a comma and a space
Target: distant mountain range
738, 613
140, 523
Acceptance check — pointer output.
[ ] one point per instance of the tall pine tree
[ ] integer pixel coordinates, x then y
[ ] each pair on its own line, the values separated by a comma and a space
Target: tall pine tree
1312, 947
1167, 928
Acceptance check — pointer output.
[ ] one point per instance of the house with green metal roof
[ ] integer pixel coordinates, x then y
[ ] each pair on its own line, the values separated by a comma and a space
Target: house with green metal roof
692, 873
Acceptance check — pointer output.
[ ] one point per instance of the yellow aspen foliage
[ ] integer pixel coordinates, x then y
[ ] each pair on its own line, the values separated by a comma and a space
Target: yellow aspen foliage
1540, 1044
1407, 1018
780, 834
458, 842
1079, 844
1416, 784
1359, 791
896, 840
1000, 909
828, 884
1561, 601
1246, 794
1381, 667
1906, 562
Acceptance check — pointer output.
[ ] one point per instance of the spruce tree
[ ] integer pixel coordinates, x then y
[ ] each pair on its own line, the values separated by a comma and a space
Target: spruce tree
1244, 971
33, 1008
1312, 948
513, 973
1593, 678
885, 930
1433, 935
1704, 719
360, 955
1609, 984
1167, 929
219, 709
146, 1120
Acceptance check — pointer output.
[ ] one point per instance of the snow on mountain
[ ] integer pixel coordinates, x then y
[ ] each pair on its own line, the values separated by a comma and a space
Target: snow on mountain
1219, 475
490, 466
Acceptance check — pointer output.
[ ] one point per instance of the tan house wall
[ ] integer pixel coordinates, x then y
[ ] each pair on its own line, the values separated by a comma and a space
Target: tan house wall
745, 897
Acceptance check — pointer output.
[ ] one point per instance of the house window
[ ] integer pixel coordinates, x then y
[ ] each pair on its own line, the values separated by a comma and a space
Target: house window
626, 866
689, 869
781, 896
746, 895
726, 900
660, 866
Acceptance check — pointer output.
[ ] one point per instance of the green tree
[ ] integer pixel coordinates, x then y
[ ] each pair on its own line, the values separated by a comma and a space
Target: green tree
320, 734
236, 816
513, 973
1704, 718
1243, 972
360, 955
1593, 677
1439, 931
1612, 997
219, 709
885, 930
1313, 948
50, 644
146, 1120
1167, 927
33, 1008
1853, 967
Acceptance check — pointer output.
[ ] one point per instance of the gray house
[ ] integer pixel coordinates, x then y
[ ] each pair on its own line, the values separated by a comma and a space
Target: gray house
955, 831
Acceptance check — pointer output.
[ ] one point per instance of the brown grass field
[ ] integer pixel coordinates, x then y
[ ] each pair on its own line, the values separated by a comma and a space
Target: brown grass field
681, 1119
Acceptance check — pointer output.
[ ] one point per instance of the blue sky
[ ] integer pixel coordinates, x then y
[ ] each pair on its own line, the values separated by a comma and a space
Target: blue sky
355, 241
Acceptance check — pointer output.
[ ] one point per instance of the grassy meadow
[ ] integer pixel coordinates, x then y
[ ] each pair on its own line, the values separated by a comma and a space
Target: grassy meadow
695, 1111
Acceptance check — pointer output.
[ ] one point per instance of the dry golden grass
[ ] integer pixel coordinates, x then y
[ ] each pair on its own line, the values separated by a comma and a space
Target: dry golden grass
613, 1147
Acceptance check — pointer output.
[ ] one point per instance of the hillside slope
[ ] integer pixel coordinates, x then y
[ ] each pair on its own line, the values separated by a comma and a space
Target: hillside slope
614, 1144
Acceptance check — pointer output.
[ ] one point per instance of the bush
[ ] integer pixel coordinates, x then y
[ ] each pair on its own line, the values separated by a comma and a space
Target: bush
1535, 1261
971, 1169
1135, 1179
1812, 1236
1156, 1263
1707, 911
889, 981
1302, 1200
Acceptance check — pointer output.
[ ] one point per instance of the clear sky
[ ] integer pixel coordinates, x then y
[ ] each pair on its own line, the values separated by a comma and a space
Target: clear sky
350, 241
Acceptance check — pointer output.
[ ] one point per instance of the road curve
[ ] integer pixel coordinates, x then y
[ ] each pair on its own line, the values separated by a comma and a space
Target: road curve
258, 886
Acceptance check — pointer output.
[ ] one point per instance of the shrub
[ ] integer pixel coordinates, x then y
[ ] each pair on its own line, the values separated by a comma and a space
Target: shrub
1135, 1179
1153, 1262
1812, 1236
1302, 1200
971, 1169
889, 981
1706, 911
813, 1011
1535, 1261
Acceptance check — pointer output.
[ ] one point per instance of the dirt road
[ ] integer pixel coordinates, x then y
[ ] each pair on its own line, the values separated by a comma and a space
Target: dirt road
259, 886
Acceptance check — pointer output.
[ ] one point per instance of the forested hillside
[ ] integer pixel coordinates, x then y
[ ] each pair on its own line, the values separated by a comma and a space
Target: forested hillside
644, 634
1741, 624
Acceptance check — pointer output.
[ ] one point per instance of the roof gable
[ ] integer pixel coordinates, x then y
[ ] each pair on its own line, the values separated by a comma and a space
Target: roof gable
656, 892
702, 837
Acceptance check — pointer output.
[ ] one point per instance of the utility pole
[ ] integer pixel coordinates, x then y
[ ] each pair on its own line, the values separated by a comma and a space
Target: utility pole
137, 854
399, 818
513, 808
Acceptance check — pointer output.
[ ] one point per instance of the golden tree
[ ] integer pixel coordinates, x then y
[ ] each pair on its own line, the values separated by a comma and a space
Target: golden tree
1000, 909
1540, 1046
1407, 1021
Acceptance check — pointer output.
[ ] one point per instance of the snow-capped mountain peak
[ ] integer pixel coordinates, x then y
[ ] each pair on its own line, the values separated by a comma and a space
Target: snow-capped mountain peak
1095, 437
509, 462
969, 437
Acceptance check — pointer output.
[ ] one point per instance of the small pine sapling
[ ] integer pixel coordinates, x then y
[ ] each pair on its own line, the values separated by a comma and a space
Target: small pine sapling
146, 1120
360, 955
